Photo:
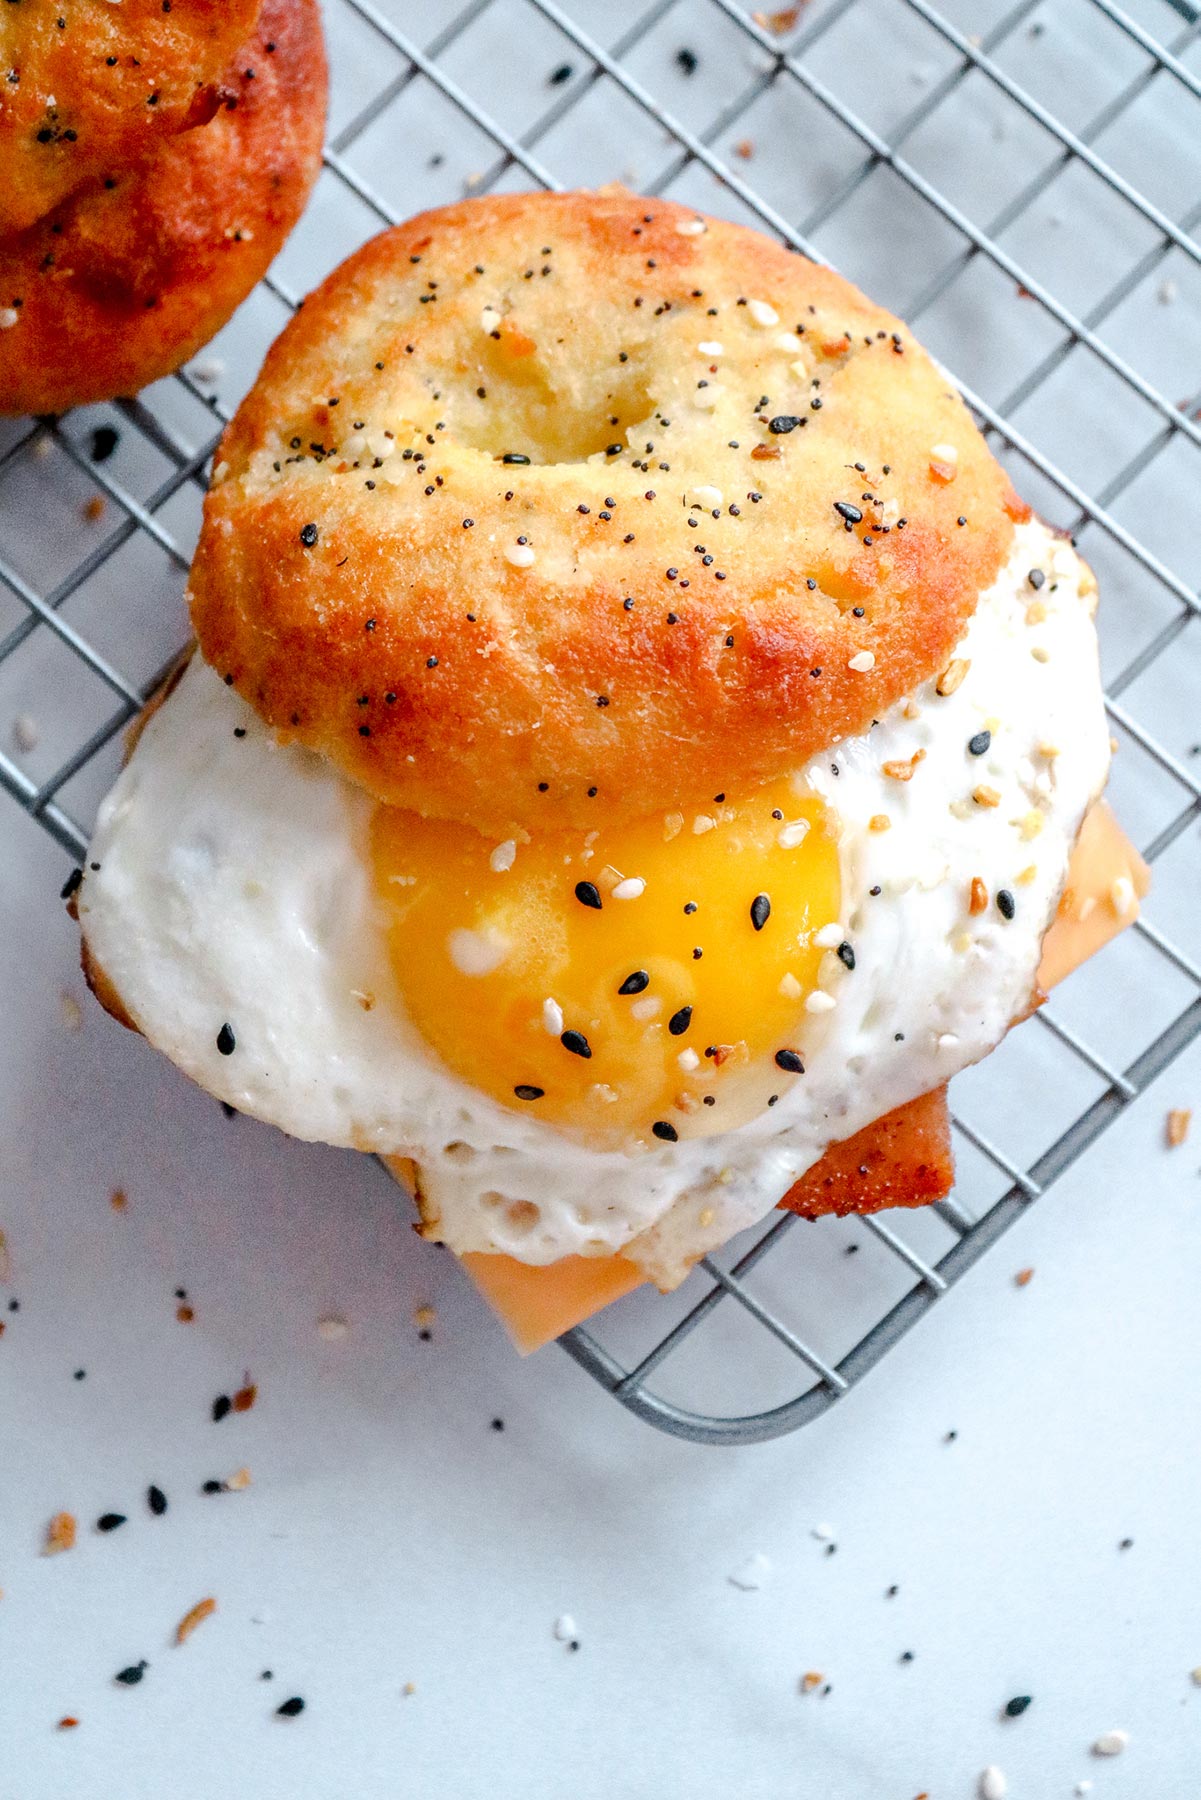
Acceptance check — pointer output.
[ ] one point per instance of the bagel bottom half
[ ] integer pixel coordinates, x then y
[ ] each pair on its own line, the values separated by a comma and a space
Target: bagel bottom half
125, 281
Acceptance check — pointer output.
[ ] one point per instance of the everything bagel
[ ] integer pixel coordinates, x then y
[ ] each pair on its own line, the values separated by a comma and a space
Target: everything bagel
90, 87
121, 284
549, 499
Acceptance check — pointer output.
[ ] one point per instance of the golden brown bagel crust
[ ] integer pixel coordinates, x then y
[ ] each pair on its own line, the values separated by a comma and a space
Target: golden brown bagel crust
119, 286
89, 87
650, 653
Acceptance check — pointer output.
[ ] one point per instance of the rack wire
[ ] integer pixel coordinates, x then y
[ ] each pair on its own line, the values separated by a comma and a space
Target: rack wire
1022, 182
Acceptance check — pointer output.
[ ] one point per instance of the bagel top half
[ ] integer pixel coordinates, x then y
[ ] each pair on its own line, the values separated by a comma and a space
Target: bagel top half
90, 86
545, 503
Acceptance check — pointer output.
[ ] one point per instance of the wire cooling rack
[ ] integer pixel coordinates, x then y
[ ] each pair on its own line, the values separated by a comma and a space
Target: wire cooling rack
1022, 182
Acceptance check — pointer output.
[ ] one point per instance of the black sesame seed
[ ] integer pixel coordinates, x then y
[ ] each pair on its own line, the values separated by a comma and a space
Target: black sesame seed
587, 892
221, 1406
211, 1487
105, 439
308, 535
680, 1021
71, 885
131, 1676
667, 1132
577, 1043
514, 456
1016, 1707
290, 1708
846, 956
783, 423
690, 906
979, 744
110, 1521
525, 1091
1006, 904
156, 1500
637, 983
850, 513
789, 1061
760, 911
1036, 578
226, 1041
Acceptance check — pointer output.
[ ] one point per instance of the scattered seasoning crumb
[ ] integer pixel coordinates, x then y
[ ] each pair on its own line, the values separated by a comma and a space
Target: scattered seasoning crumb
60, 1534
93, 509
196, 1615
156, 1500
25, 733
1177, 1126
1016, 1707
245, 1397
72, 1012
424, 1316
68, 1722
992, 1784
1023, 1278
811, 1679
288, 1709
332, 1326
237, 1482
781, 22
6, 1262
110, 1521
130, 1676
409, 1689
1111, 1743
752, 1574
118, 1200
185, 1314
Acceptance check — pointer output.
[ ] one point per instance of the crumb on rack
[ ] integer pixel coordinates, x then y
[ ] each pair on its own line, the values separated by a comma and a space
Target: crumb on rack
1023, 1278
1177, 1126
60, 1534
195, 1615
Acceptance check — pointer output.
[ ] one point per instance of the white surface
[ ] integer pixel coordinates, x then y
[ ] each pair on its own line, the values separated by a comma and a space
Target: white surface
391, 1535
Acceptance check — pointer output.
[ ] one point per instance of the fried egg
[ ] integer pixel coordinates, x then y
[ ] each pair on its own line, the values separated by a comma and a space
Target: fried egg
631, 1038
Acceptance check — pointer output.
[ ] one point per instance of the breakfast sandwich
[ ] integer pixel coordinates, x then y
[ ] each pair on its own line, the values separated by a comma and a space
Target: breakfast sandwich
639, 748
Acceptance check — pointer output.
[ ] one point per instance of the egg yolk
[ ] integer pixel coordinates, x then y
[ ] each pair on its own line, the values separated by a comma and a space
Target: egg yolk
642, 981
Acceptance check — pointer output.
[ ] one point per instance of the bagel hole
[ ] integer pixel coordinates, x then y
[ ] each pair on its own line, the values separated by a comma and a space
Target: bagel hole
527, 413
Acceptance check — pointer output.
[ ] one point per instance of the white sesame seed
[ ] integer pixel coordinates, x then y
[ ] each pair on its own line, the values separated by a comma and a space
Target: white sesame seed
752, 1574
25, 733
688, 1060
474, 954
790, 987
817, 1002
823, 1533
785, 341
702, 823
792, 834
828, 937
862, 661
1111, 1743
946, 453
646, 1009
632, 888
8, 317
1121, 896
691, 227
331, 1327
1083, 1787
992, 1784
503, 857
947, 1040
711, 348
705, 399
1040, 653
490, 320
707, 496
1195, 1676
519, 555
764, 315
565, 1629
552, 1018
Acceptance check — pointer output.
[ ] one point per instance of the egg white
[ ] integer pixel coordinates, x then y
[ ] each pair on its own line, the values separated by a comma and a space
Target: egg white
235, 885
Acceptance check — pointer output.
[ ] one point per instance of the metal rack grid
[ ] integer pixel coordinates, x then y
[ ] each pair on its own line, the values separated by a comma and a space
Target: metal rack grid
669, 101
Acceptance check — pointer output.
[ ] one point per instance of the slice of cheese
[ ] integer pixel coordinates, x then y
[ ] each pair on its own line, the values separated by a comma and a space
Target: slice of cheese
906, 1154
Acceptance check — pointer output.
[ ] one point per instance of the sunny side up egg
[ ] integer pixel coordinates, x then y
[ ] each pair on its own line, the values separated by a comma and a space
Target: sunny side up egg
632, 1038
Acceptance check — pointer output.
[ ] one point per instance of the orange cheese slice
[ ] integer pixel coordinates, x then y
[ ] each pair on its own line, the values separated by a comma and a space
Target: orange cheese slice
906, 1154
